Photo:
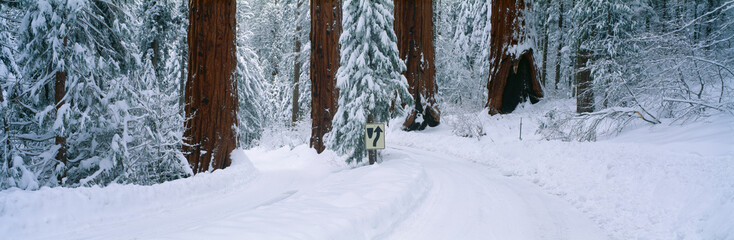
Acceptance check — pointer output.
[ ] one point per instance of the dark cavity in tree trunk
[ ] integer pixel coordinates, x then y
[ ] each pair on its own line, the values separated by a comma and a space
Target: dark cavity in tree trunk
211, 90
513, 77
519, 87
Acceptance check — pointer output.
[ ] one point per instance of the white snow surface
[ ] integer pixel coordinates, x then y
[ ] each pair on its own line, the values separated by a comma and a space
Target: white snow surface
669, 181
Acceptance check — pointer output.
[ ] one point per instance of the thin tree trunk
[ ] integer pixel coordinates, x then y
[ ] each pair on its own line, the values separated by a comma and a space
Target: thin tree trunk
274, 35
326, 26
584, 83
696, 27
545, 54
709, 24
182, 82
296, 77
58, 97
6, 129
296, 69
211, 90
571, 65
59, 92
183, 59
156, 59
414, 30
560, 44
664, 19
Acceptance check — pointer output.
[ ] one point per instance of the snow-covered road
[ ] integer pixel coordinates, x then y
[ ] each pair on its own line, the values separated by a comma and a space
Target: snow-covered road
471, 201
667, 182
413, 194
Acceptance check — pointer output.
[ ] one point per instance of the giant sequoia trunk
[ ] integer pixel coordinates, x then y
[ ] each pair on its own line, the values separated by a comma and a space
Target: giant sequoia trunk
414, 30
513, 76
211, 90
326, 26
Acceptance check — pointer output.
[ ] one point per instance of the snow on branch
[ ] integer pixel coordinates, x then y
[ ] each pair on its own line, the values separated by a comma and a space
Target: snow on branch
585, 127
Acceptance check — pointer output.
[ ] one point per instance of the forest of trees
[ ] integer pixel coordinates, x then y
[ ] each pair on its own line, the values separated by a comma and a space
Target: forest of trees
131, 91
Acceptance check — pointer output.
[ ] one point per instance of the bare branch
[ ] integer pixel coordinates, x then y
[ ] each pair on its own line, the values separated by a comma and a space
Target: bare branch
699, 103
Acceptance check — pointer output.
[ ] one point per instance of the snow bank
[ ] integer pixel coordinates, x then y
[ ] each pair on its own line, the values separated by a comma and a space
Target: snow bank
49, 211
660, 182
275, 194
359, 203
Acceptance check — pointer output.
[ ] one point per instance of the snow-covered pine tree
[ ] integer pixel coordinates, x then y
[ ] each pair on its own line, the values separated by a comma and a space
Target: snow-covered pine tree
153, 125
181, 21
462, 52
269, 24
301, 88
8, 24
10, 173
600, 32
250, 82
277, 27
84, 46
369, 76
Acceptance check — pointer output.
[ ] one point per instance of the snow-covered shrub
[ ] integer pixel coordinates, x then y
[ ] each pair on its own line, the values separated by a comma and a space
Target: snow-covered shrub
273, 28
276, 136
466, 125
568, 126
462, 52
649, 67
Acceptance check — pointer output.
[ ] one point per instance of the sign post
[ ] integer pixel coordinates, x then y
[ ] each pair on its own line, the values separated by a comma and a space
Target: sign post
374, 136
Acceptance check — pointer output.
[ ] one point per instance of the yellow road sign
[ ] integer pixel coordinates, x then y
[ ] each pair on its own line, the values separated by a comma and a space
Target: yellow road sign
374, 135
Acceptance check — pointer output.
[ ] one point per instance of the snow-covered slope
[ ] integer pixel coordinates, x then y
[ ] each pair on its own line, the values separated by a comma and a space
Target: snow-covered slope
660, 182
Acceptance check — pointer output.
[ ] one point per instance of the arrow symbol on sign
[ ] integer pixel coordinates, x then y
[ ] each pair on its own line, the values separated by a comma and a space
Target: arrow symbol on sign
378, 130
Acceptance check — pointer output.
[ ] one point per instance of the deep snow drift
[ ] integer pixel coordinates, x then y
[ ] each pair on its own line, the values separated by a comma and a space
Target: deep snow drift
650, 182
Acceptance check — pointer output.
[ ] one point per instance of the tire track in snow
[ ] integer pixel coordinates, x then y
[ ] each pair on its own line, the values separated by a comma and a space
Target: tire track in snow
471, 201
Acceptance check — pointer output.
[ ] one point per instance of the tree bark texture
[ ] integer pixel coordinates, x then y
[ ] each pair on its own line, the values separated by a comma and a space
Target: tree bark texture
513, 76
584, 83
211, 90
326, 26
59, 92
414, 30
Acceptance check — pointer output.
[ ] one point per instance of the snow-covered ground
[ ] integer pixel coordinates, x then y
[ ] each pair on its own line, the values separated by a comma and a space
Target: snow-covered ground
650, 182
